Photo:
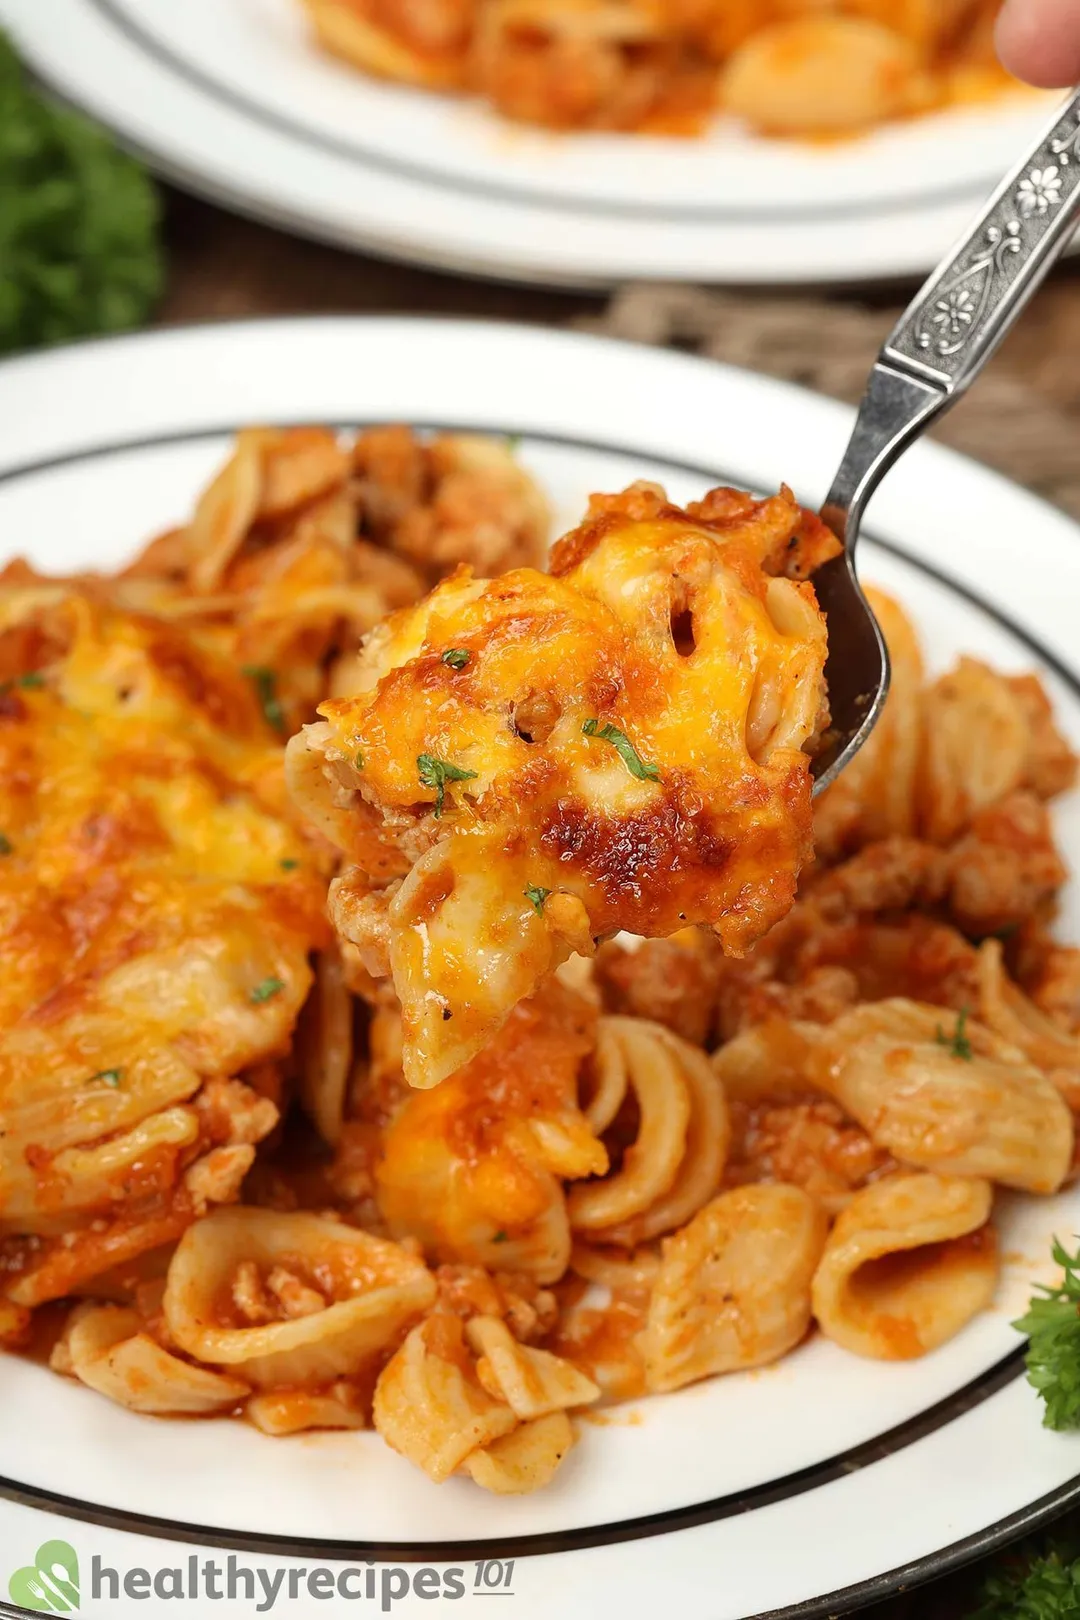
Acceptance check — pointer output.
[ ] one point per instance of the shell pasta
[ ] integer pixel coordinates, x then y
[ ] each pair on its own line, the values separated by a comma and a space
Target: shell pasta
333, 1093
786, 67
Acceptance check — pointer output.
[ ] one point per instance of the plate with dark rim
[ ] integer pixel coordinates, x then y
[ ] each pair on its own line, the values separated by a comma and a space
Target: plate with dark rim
231, 99
804, 1488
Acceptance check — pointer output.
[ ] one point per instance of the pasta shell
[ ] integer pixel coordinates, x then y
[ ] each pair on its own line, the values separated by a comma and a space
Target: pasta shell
908, 1263
531, 1382
105, 1347
432, 1408
374, 1288
945, 1095
734, 1286
292, 1411
525, 1460
975, 748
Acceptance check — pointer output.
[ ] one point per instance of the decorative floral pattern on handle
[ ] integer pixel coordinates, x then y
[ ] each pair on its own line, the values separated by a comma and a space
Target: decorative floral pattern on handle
969, 305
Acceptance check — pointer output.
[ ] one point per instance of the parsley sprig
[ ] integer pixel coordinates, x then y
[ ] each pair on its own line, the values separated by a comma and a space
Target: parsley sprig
624, 748
536, 897
1044, 1585
1052, 1324
435, 773
958, 1043
81, 240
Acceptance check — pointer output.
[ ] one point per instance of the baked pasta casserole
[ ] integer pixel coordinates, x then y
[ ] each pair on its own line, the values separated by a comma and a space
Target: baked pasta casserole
782, 67
685, 1111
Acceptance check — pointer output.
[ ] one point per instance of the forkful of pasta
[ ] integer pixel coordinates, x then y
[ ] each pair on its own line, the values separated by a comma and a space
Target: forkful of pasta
514, 769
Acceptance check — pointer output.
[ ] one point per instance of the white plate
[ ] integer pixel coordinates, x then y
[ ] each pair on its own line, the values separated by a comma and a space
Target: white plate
230, 98
821, 1481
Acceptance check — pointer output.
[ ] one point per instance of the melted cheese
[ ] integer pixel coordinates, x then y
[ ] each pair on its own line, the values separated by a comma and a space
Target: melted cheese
156, 909
626, 733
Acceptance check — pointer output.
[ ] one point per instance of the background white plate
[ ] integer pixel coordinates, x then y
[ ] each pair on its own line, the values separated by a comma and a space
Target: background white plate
819, 1481
230, 98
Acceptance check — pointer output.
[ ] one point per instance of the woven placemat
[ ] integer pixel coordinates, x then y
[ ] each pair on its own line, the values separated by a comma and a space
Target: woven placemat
1023, 418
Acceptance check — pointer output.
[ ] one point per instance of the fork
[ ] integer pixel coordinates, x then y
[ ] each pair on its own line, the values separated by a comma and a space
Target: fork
934, 353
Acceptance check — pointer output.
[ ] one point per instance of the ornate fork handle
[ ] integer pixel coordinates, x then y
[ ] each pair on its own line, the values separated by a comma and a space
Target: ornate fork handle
958, 319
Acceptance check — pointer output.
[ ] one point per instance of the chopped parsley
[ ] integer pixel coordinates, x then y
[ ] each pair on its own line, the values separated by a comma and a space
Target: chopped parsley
536, 897
435, 773
267, 989
358, 759
513, 442
6, 846
288, 865
500, 1237
624, 748
29, 682
958, 1043
265, 683
108, 1077
1052, 1324
456, 657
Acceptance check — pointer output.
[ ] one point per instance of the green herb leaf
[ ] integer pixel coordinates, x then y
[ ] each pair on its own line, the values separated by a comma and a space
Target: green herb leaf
958, 1043
81, 241
456, 657
500, 1237
288, 865
435, 773
536, 897
625, 748
6, 846
1052, 1324
33, 678
1033, 1583
108, 1077
513, 442
268, 988
265, 683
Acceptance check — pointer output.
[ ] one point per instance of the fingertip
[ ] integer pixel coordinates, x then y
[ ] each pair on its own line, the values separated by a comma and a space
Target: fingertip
1039, 41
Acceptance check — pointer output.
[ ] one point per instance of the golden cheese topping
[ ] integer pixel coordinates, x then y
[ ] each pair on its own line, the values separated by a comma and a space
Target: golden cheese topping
156, 904
530, 763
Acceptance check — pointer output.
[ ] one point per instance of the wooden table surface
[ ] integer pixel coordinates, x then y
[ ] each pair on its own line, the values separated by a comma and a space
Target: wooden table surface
1027, 423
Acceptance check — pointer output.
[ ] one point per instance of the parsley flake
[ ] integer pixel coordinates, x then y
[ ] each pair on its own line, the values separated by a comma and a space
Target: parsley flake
435, 773
358, 759
288, 865
28, 682
500, 1237
624, 748
108, 1077
1052, 1324
456, 657
536, 897
6, 846
958, 1043
265, 683
267, 989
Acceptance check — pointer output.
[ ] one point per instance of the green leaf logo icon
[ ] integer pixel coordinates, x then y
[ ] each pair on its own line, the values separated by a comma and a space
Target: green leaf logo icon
51, 1583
